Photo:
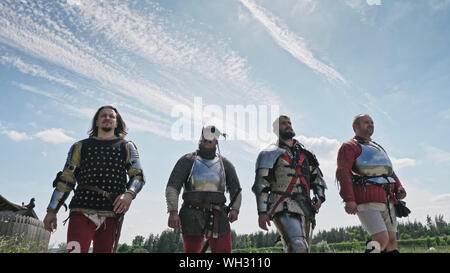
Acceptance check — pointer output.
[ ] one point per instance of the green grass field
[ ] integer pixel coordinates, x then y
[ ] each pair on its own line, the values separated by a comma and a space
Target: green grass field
438, 249
424, 245
438, 244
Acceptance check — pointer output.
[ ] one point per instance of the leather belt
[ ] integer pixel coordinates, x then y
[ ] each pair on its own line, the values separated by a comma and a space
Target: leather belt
110, 196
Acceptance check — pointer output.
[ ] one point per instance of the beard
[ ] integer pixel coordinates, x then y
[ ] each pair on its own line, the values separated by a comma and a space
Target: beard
106, 129
286, 135
207, 153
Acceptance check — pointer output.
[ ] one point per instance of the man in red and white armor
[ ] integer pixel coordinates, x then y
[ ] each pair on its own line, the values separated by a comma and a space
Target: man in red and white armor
285, 174
368, 185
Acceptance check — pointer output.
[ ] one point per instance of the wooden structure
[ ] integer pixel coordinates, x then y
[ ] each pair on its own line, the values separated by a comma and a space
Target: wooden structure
21, 222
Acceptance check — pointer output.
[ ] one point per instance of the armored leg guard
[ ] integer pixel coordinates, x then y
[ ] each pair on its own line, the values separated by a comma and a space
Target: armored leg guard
292, 232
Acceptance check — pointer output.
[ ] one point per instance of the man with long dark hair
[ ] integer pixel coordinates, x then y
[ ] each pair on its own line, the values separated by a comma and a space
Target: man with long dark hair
98, 166
285, 174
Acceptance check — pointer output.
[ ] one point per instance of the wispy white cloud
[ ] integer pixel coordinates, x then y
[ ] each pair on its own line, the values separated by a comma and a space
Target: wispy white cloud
16, 136
438, 5
423, 201
54, 135
360, 5
445, 114
304, 7
34, 70
373, 2
368, 15
34, 90
147, 35
437, 155
442, 198
22, 29
127, 41
326, 150
290, 41
400, 163
156, 125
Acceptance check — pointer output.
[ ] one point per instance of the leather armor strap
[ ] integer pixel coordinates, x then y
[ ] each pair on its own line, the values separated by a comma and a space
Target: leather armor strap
298, 174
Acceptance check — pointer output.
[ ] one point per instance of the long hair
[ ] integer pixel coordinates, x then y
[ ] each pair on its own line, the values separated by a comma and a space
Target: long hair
120, 131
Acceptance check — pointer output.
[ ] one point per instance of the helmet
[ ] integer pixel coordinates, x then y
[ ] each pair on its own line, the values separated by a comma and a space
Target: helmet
211, 132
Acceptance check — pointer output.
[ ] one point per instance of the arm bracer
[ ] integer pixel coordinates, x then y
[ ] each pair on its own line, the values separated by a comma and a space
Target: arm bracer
57, 200
318, 185
134, 169
65, 180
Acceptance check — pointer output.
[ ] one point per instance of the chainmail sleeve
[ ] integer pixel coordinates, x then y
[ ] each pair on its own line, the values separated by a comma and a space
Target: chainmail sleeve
232, 182
178, 177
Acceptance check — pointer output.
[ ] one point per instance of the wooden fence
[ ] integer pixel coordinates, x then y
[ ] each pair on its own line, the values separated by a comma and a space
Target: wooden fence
24, 228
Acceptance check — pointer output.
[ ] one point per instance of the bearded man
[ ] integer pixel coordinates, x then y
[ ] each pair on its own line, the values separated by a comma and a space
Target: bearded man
205, 176
285, 174
98, 166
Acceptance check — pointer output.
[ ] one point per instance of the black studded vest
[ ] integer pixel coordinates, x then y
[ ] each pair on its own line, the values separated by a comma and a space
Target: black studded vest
103, 165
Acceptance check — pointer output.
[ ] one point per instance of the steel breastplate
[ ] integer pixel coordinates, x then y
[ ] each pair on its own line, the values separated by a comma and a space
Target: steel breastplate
374, 161
207, 175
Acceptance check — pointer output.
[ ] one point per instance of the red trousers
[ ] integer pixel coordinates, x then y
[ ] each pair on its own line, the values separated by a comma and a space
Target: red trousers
82, 231
193, 244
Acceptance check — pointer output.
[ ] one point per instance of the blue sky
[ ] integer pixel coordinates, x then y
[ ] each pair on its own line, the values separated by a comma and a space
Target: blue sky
320, 62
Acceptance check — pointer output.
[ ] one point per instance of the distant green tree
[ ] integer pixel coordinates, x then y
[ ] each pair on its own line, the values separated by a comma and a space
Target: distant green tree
123, 248
405, 236
441, 225
169, 242
151, 243
138, 241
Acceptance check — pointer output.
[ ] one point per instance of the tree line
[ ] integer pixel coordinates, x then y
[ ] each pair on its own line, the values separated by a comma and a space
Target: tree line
170, 241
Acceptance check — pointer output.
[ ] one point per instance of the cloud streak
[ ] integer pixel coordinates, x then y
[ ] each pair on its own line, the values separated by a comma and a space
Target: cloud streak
54, 135
400, 163
436, 155
34, 70
16, 136
119, 54
290, 42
